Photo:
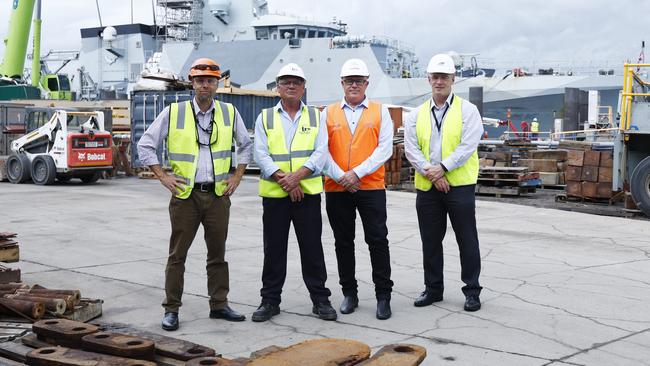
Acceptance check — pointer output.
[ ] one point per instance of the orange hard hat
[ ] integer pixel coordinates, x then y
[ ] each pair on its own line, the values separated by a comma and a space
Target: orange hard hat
204, 67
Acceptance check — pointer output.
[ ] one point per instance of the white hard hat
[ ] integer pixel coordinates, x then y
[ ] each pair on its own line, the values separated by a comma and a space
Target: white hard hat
441, 63
354, 67
291, 70
535, 119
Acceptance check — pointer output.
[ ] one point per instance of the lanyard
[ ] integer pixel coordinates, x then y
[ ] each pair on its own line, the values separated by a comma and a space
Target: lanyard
208, 130
439, 123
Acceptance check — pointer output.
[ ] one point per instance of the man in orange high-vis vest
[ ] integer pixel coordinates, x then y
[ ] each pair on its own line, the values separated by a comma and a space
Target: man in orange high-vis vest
360, 135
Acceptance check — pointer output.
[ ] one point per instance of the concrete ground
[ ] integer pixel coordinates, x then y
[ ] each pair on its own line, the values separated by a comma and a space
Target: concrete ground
560, 288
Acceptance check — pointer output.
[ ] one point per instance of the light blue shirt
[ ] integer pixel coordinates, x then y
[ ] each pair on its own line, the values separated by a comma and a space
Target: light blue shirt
379, 156
471, 134
159, 129
261, 150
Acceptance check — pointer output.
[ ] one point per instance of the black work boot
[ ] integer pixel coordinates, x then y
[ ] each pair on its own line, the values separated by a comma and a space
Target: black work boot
324, 310
265, 312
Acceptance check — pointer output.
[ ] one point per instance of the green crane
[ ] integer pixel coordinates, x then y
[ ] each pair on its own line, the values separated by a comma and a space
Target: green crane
12, 84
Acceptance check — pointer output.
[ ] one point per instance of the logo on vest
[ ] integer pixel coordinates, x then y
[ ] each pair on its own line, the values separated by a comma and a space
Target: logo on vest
305, 130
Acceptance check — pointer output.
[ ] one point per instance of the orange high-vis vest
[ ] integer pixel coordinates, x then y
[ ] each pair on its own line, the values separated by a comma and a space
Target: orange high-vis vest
349, 151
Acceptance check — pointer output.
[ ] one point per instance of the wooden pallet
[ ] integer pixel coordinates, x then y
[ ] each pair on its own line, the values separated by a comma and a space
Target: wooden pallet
503, 191
9, 275
562, 197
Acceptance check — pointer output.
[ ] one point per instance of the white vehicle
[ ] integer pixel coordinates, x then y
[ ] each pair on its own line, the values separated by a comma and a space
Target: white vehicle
69, 145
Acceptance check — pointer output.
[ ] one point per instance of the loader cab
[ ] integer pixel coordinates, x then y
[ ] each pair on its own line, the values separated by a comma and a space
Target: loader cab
37, 117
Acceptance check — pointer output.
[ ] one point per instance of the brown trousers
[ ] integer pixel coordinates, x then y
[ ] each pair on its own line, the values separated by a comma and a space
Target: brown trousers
213, 212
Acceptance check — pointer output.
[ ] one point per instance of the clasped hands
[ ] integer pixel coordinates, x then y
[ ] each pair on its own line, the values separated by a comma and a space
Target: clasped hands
436, 175
290, 183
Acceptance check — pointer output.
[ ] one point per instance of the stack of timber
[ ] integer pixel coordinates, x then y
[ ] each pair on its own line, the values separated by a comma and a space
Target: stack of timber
395, 171
589, 173
550, 164
9, 253
62, 342
20, 301
506, 181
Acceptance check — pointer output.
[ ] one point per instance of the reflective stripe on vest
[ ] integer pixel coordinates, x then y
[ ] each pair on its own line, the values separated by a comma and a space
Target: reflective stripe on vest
452, 130
302, 146
184, 150
350, 151
534, 127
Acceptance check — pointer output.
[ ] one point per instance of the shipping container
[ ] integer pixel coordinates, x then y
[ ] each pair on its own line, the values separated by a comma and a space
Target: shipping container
146, 105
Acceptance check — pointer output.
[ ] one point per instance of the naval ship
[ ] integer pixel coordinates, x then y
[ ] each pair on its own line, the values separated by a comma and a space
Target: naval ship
253, 43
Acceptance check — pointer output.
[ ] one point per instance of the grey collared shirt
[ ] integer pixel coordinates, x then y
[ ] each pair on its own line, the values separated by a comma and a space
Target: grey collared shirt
379, 156
471, 134
261, 151
159, 129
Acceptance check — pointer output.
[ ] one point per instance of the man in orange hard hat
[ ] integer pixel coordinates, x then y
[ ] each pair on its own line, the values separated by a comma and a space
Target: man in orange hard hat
199, 136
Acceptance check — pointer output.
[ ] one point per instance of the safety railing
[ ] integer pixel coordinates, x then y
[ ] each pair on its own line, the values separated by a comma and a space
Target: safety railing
627, 95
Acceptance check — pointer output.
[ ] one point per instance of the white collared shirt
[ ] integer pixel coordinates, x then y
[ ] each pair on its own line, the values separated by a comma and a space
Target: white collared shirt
472, 131
379, 156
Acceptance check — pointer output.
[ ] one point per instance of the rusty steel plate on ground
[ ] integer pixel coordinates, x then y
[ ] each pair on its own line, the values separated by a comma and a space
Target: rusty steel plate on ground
63, 332
212, 361
61, 356
177, 349
118, 344
316, 352
397, 354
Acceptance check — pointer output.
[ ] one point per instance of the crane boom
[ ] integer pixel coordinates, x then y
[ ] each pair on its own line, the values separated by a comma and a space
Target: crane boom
17, 39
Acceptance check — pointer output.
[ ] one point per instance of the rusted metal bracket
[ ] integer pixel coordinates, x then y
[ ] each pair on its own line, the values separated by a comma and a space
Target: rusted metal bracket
61, 356
118, 344
63, 332
165, 346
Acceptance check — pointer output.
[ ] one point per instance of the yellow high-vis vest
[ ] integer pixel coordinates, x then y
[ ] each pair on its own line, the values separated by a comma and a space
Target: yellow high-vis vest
302, 146
452, 130
183, 149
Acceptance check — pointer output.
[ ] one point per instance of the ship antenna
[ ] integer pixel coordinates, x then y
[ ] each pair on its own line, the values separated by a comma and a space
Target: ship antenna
641, 56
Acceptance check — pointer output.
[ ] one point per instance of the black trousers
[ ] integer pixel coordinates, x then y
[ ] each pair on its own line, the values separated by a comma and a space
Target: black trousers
278, 215
342, 212
433, 207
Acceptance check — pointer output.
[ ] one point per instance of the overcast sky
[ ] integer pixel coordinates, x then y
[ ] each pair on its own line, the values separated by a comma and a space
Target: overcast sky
506, 33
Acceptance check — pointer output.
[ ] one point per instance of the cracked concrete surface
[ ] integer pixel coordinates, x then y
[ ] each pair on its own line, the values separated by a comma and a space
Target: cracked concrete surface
560, 288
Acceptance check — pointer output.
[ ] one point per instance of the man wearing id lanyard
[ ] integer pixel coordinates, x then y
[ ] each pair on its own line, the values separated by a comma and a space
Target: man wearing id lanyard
440, 139
199, 136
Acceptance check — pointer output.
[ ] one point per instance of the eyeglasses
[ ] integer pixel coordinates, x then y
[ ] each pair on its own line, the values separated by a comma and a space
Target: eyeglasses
209, 81
291, 82
350, 82
439, 76
206, 67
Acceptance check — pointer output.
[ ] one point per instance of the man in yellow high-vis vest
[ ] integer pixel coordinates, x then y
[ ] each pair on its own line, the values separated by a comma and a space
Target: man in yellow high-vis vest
291, 150
200, 135
440, 139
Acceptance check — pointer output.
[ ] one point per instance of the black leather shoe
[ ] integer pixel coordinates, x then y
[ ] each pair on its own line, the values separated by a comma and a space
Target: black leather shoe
324, 310
349, 304
228, 314
170, 321
383, 309
427, 298
472, 303
265, 312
